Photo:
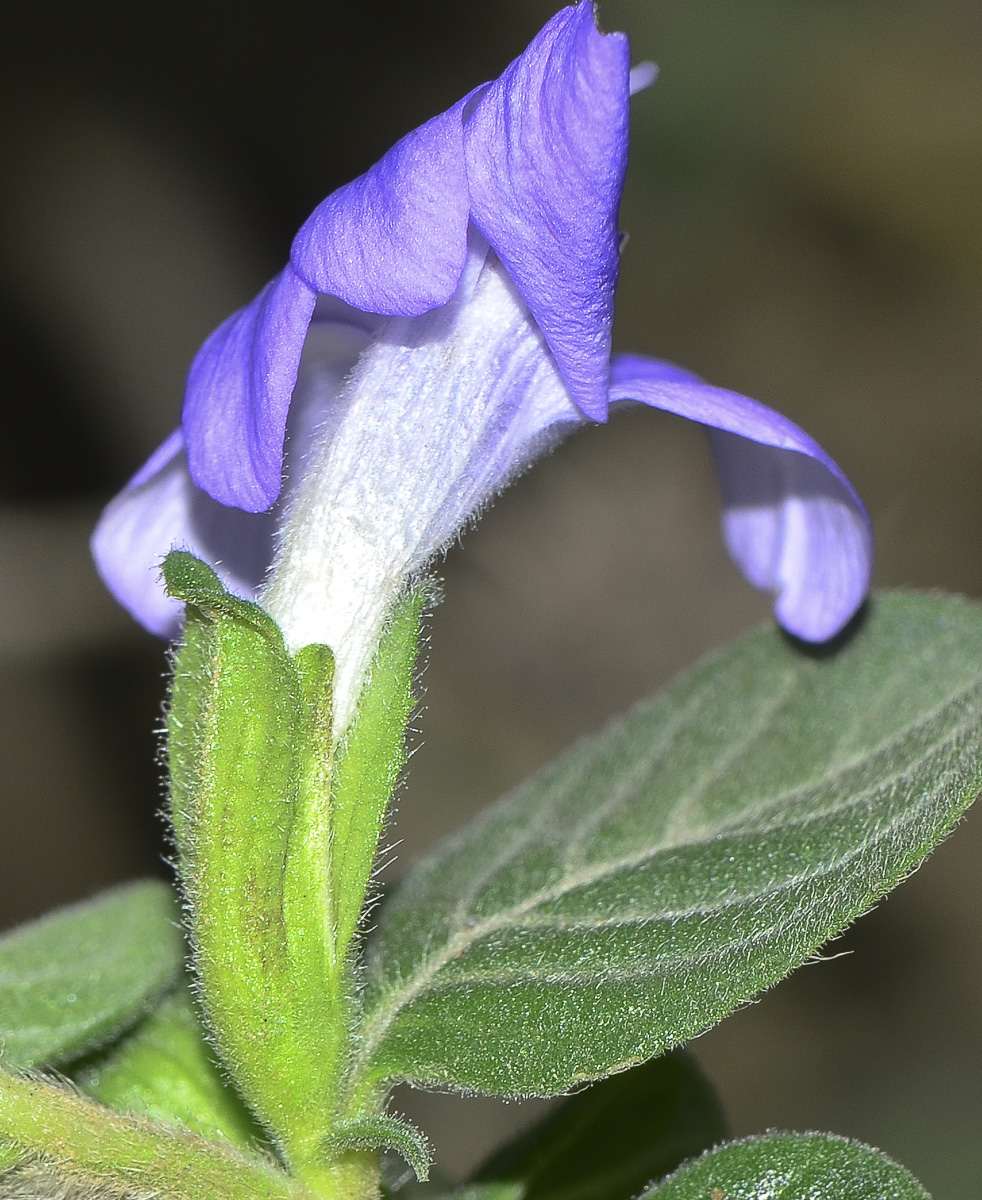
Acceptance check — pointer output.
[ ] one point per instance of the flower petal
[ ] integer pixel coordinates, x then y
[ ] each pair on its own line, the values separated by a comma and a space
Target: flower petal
642, 76
791, 519
546, 148
238, 395
394, 240
160, 508
441, 412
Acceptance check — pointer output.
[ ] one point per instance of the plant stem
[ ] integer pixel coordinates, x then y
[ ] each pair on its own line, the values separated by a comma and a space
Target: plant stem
352, 1175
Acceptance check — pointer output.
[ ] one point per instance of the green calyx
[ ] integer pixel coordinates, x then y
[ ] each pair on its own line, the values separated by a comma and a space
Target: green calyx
276, 823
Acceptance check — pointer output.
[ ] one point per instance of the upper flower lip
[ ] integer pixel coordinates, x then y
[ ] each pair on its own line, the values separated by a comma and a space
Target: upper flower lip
534, 159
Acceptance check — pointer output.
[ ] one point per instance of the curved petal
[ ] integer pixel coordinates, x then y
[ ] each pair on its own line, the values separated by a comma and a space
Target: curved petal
160, 508
441, 412
394, 240
238, 395
125, 543
791, 519
546, 148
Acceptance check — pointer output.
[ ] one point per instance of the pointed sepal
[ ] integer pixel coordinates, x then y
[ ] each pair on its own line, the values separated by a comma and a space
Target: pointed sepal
277, 824
239, 729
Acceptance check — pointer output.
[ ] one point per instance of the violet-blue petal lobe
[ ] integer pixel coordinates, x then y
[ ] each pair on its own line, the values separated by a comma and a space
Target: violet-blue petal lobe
642, 76
238, 395
791, 519
159, 509
546, 148
394, 240
145, 515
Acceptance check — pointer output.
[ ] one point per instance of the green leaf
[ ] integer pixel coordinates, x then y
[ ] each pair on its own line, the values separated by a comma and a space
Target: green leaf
81, 975
610, 1141
791, 1166
165, 1071
378, 1132
94, 1151
656, 877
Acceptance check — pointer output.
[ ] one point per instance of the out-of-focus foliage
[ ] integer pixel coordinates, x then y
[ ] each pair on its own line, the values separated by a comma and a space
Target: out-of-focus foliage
82, 975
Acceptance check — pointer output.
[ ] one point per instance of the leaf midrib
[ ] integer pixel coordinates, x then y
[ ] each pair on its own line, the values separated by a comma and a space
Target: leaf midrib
374, 1029
698, 836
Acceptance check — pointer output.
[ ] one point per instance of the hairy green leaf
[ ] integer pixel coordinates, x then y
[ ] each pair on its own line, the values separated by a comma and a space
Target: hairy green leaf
165, 1071
791, 1166
613, 1139
381, 1131
74, 1147
659, 875
81, 975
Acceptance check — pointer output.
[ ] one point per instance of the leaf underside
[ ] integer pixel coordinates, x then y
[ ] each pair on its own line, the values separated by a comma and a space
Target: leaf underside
660, 874
83, 974
791, 1166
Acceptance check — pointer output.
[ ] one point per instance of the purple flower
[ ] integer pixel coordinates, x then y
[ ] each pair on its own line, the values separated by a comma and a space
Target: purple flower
443, 320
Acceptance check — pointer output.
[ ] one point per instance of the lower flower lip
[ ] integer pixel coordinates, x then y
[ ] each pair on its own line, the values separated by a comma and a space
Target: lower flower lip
792, 521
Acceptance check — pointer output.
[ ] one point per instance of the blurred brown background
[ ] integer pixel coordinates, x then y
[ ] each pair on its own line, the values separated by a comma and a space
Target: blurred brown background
804, 210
